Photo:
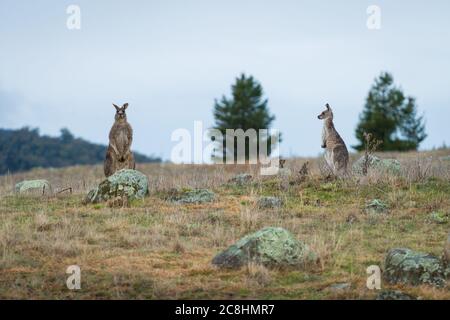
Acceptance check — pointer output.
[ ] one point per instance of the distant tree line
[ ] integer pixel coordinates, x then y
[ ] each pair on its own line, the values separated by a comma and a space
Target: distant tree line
25, 148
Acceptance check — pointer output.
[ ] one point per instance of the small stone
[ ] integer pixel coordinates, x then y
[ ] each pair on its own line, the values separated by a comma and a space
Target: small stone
394, 295
269, 202
376, 207
340, 286
39, 186
271, 247
195, 196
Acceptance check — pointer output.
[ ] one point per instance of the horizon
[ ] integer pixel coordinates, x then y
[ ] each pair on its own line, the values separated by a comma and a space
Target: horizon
170, 60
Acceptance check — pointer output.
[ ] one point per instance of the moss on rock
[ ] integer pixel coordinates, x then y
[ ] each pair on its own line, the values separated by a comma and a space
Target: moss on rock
270, 247
128, 183
405, 266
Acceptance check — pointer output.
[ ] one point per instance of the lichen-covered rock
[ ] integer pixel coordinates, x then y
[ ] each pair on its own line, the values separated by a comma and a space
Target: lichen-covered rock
438, 217
128, 183
390, 166
404, 266
194, 196
270, 247
376, 207
269, 202
241, 179
394, 295
34, 186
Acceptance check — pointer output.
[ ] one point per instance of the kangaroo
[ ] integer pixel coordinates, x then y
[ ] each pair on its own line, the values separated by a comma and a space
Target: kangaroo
118, 154
336, 153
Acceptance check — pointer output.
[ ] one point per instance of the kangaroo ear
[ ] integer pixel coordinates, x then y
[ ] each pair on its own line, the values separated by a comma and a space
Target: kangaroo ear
117, 108
125, 105
328, 106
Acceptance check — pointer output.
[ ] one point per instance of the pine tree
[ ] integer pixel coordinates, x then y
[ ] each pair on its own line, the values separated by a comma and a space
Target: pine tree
246, 109
391, 117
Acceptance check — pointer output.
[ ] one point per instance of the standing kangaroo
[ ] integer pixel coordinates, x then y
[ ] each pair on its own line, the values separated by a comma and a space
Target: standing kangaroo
118, 154
336, 153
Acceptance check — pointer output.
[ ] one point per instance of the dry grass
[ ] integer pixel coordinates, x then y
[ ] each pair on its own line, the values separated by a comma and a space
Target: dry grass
156, 249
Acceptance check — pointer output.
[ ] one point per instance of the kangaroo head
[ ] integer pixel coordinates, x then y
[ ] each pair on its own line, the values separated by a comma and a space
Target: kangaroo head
326, 114
120, 112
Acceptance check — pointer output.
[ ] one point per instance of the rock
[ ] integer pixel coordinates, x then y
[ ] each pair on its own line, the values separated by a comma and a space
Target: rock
445, 158
376, 207
128, 183
404, 266
338, 287
34, 186
438, 217
391, 166
394, 295
271, 247
269, 202
241, 179
194, 196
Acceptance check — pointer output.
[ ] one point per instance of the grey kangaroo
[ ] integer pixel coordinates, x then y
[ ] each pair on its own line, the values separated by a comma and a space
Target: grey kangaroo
336, 153
118, 154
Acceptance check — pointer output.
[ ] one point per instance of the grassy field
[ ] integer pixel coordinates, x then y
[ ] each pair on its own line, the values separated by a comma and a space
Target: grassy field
156, 249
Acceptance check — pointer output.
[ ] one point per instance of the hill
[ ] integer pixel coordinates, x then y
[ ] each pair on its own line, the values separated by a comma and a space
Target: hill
159, 249
25, 148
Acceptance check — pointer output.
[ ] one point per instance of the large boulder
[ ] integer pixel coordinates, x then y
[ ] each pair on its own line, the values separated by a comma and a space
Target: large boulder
270, 247
128, 183
34, 186
194, 196
390, 166
405, 266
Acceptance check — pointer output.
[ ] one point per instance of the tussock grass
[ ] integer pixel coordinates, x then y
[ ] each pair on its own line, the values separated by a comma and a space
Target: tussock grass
157, 249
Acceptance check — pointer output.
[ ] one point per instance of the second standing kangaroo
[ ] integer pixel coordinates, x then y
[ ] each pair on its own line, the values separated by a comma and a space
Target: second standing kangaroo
336, 153
118, 154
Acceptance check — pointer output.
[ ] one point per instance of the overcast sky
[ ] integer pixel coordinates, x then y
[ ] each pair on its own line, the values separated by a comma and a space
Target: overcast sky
170, 59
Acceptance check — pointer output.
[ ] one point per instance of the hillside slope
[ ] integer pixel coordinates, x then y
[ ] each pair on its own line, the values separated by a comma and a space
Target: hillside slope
157, 249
